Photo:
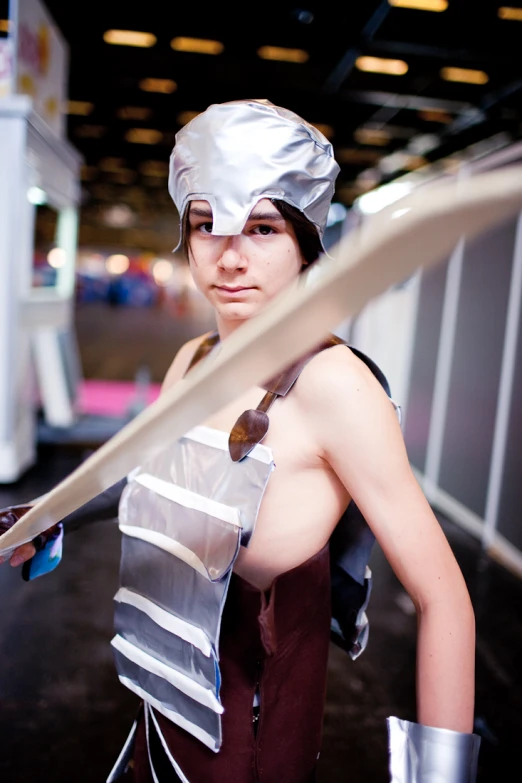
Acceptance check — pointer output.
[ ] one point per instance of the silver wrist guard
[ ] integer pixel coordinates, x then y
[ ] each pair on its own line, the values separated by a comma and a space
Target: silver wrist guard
423, 754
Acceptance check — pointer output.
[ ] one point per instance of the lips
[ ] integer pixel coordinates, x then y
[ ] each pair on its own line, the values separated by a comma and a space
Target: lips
227, 289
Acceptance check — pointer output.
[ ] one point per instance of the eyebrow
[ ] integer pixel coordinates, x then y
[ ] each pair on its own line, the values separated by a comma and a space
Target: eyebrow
207, 213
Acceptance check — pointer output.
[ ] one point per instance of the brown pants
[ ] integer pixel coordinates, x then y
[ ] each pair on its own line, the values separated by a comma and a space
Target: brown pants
277, 643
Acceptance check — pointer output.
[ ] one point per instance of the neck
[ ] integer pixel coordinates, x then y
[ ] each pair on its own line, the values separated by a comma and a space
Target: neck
226, 327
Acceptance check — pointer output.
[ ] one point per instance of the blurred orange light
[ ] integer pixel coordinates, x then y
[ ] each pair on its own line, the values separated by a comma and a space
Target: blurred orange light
143, 136
82, 108
186, 116
283, 54
196, 45
111, 164
435, 115
158, 85
512, 14
421, 5
372, 136
90, 131
4, 25
326, 130
129, 38
465, 75
381, 65
155, 168
133, 113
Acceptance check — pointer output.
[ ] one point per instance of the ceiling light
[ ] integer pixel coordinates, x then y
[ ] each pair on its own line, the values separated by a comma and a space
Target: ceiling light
133, 113
186, 116
129, 38
283, 54
158, 85
420, 5
372, 136
117, 264
466, 75
197, 45
82, 108
154, 168
326, 130
435, 115
90, 131
56, 257
4, 25
143, 136
513, 14
381, 65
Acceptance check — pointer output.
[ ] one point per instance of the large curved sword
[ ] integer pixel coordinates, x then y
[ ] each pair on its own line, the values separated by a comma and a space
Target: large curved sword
417, 231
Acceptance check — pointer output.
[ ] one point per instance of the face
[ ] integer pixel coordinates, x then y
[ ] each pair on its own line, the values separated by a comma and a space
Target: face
240, 274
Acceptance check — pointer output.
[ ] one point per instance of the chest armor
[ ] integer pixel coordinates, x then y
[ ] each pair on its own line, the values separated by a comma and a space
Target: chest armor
183, 518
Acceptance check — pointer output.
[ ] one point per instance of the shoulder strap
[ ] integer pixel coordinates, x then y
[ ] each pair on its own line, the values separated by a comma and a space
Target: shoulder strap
252, 425
203, 349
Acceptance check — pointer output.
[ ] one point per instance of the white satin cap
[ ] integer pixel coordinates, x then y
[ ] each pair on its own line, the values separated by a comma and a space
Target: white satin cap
235, 154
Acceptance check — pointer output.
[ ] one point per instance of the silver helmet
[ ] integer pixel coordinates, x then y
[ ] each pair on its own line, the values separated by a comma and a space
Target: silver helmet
234, 154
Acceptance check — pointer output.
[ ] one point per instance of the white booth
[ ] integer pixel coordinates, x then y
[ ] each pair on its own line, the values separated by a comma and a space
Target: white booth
39, 199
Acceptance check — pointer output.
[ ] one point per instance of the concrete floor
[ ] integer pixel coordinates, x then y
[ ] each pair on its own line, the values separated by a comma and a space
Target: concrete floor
63, 713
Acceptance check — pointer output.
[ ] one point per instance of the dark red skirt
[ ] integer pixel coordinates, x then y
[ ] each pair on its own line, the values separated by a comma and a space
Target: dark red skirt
277, 643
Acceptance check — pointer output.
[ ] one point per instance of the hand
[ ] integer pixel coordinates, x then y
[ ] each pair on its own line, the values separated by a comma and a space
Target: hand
8, 517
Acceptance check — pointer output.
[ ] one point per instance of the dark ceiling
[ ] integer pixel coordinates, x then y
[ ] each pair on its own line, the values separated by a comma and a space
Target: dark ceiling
420, 112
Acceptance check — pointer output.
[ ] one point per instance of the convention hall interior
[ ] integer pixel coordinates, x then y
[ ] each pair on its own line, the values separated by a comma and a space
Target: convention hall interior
96, 299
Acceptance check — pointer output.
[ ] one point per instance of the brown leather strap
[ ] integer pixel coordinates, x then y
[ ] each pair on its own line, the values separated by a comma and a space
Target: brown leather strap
203, 349
252, 425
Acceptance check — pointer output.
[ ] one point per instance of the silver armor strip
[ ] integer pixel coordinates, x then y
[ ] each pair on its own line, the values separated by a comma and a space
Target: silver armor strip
199, 720
211, 542
173, 585
424, 754
139, 630
185, 631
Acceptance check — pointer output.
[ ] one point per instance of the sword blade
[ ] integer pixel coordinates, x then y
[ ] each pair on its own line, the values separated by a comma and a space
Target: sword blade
382, 252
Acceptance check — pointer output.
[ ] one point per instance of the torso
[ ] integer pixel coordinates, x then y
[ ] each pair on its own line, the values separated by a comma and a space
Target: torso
304, 499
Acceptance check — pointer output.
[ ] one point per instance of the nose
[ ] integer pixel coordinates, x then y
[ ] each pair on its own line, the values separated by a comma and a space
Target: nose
232, 257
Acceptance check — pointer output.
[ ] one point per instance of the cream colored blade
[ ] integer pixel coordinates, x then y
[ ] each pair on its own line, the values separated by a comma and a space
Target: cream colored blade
365, 264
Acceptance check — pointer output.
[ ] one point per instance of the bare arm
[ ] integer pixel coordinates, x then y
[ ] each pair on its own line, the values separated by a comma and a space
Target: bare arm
363, 444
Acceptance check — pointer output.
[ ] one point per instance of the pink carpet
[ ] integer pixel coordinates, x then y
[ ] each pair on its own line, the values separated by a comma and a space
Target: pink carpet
111, 398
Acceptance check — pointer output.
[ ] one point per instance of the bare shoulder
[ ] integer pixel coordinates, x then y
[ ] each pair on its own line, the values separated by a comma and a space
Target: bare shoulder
338, 375
181, 361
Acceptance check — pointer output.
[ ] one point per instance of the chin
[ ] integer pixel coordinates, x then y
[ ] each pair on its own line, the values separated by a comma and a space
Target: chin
238, 311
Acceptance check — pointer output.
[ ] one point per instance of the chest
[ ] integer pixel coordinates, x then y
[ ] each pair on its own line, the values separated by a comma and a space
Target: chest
289, 436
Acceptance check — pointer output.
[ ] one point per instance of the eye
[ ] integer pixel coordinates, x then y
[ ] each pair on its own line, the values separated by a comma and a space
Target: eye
204, 228
264, 230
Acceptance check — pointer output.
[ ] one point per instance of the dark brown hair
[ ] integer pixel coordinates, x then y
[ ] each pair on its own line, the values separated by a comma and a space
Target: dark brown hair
305, 231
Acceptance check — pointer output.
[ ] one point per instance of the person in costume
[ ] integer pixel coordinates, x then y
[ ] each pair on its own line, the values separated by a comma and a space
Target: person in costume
246, 542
